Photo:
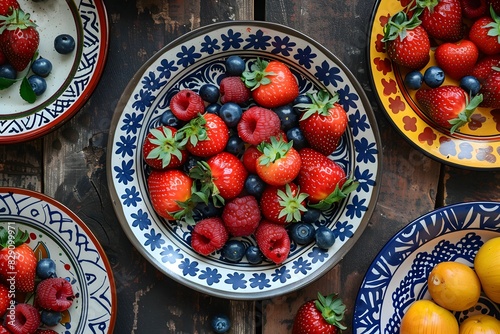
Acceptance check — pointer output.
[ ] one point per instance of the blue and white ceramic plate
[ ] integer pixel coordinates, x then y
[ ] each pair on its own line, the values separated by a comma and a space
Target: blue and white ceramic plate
74, 76
57, 233
398, 275
189, 62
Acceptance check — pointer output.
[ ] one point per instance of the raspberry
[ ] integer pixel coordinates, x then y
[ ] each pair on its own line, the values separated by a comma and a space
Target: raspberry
241, 216
186, 105
273, 241
249, 159
44, 331
25, 319
233, 89
208, 235
55, 294
258, 124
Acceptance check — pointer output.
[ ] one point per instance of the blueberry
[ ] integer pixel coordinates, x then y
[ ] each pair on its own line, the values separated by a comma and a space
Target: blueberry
202, 210
254, 185
253, 255
209, 93
38, 84
324, 237
414, 80
41, 67
434, 76
470, 84
233, 250
191, 162
302, 233
235, 145
288, 118
168, 118
220, 323
64, 43
296, 135
235, 66
230, 113
46, 268
301, 99
8, 72
311, 215
50, 318
213, 108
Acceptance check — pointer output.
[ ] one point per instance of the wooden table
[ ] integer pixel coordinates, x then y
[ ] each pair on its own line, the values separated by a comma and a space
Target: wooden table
69, 164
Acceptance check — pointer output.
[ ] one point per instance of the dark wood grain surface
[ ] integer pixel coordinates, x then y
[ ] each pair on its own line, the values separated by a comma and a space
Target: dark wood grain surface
69, 164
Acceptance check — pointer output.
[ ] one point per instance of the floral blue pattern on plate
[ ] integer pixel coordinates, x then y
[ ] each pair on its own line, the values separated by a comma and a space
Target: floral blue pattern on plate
398, 275
189, 62
56, 232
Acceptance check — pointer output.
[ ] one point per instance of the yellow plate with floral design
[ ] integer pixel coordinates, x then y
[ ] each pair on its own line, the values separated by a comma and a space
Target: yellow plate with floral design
475, 146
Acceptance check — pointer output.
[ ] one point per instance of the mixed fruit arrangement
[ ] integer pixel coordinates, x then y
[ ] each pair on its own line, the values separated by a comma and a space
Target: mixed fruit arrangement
449, 52
32, 298
19, 56
248, 158
454, 286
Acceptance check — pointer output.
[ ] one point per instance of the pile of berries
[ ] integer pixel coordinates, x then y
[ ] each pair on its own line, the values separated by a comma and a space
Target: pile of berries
463, 38
19, 42
248, 157
32, 297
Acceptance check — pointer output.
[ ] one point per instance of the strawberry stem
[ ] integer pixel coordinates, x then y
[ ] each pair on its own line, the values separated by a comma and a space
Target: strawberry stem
257, 75
291, 204
321, 103
337, 195
6, 239
464, 116
399, 24
332, 309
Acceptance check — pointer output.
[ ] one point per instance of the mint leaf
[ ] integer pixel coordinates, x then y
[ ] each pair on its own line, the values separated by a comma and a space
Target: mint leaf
27, 92
6, 83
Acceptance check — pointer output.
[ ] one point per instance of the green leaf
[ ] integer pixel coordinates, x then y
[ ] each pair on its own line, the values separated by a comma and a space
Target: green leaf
6, 83
26, 91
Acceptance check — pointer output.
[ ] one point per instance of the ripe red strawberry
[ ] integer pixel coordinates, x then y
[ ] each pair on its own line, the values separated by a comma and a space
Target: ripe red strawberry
324, 122
448, 106
258, 124
19, 39
170, 192
249, 159
205, 135
457, 59
8, 6
279, 163
272, 83
473, 9
273, 241
320, 316
26, 319
186, 105
407, 43
484, 67
442, 19
241, 216
5, 298
162, 149
24, 259
484, 33
3, 59
55, 294
208, 235
233, 89
323, 179
491, 90
283, 204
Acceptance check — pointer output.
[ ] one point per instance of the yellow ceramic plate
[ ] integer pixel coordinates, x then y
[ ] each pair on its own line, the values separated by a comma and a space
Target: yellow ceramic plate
475, 146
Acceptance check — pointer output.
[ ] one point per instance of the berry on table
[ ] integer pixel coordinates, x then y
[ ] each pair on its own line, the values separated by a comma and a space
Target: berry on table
302, 233
50, 318
470, 84
46, 268
209, 93
414, 80
64, 43
288, 117
8, 72
235, 66
235, 145
233, 89
38, 84
233, 250
253, 254
26, 319
311, 215
254, 185
208, 235
168, 118
325, 238
54, 294
241, 216
296, 136
213, 108
41, 67
220, 323
434, 76
230, 113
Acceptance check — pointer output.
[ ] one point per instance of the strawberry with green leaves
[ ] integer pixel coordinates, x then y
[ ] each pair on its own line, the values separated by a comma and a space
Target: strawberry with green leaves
491, 90
271, 82
279, 162
161, 148
442, 19
273, 241
457, 59
448, 106
484, 67
323, 122
8, 6
321, 316
406, 42
485, 33
283, 204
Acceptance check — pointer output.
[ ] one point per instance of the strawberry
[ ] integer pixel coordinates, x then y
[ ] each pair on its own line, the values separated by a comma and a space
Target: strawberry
258, 124
161, 148
249, 159
55, 294
273, 241
19, 39
323, 179
205, 135
233, 89
25, 319
324, 122
448, 106
20, 260
283, 204
241, 216
407, 43
279, 163
473, 9
484, 32
3, 59
208, 235
442, 19
491, 90
320, 316
457, 59
484, 67
272, 83
186, 105
170, 193
5, 297
7, 7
